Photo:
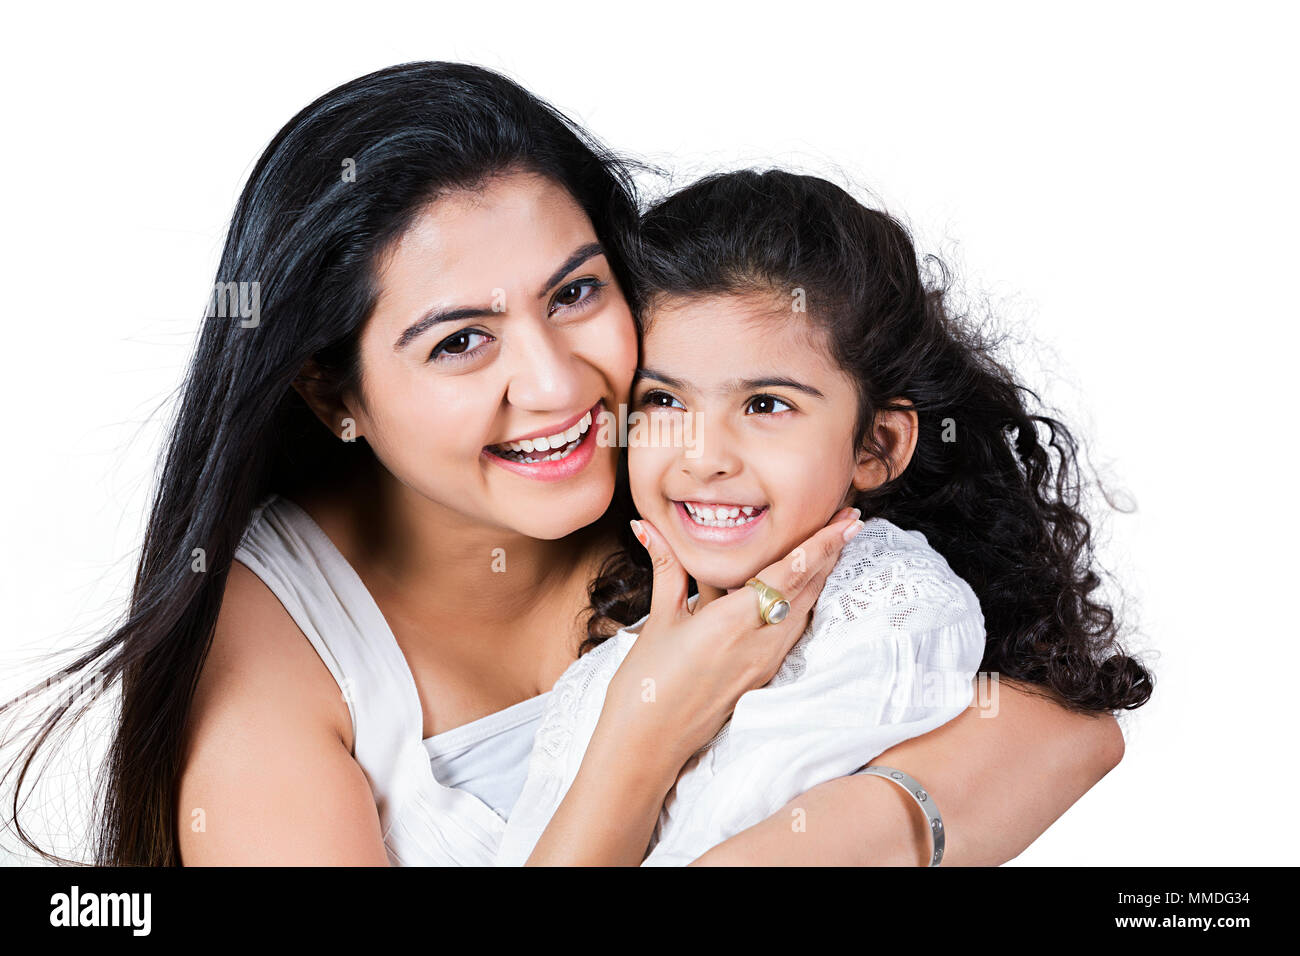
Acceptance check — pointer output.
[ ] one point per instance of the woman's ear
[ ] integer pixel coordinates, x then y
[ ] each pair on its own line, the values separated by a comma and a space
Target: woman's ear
896, 431
333, 410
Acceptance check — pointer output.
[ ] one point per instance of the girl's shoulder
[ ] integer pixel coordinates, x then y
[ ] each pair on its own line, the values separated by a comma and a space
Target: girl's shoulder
893, 571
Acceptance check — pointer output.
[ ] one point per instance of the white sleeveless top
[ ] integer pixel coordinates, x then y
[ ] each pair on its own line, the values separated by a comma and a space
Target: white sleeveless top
441, 800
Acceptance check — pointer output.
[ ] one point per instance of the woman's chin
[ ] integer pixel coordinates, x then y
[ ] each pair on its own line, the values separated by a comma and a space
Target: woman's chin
554, 523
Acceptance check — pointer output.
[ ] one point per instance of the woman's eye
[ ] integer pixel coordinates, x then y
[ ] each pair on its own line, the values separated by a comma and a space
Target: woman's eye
579, 292
658, 399
460, 345
766, 405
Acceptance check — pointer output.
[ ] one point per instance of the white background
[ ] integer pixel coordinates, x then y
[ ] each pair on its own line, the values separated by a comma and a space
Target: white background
1116, 182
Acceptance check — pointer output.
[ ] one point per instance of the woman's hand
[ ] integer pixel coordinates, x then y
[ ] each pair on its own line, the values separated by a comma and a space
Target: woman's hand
682, 678
675, 689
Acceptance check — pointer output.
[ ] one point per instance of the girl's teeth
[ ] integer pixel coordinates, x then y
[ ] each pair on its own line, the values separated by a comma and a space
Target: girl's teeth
722, 516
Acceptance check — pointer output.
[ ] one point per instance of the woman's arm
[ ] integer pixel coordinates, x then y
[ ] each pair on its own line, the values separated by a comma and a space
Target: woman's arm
999, 782
267, 778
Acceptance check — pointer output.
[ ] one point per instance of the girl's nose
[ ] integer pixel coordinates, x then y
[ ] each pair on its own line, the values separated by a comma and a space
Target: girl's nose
711, 458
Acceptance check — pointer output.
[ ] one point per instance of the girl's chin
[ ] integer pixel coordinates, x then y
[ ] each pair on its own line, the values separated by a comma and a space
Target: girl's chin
713, 572
724, 579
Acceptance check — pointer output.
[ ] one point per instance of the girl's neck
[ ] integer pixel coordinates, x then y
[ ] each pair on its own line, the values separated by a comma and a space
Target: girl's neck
708, 593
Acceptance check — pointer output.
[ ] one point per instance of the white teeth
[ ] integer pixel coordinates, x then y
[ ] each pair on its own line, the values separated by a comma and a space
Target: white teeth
555, 456
553, 441
722, 516
556, 442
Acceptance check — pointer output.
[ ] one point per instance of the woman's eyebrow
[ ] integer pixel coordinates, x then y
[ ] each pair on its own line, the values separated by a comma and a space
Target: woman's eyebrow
420, 326
577, 258
438, 316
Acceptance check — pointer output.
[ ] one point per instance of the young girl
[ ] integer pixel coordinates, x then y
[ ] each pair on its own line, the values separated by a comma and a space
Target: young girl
790, 322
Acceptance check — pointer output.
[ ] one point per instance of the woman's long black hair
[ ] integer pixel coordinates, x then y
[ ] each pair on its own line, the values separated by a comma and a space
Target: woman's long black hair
993, 487
340, 182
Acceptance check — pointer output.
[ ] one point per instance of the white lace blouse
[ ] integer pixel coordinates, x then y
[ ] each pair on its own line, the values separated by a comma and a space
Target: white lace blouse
891, 653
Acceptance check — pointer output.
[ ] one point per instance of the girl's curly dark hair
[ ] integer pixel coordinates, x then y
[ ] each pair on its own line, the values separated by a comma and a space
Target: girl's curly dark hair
994, 488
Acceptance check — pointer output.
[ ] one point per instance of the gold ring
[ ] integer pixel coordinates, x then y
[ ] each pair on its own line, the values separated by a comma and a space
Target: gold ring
772, 605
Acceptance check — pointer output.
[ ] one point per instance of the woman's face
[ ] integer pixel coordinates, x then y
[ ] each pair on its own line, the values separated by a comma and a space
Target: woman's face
499, 335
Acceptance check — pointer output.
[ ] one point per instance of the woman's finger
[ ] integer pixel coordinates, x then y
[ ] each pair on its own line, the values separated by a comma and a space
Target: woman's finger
794, 573
669, 588
799, 577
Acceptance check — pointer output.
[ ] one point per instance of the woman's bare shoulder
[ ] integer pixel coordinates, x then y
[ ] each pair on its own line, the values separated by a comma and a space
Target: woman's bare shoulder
267, 776
257, 647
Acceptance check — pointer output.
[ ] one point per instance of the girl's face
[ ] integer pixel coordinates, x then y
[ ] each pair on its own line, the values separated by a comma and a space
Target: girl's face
772, 455
499, 327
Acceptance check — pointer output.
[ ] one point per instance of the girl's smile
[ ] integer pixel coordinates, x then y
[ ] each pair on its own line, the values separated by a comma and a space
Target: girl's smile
719, 523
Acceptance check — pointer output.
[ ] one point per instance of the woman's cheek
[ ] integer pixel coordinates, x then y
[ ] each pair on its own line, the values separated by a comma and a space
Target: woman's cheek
611, 346
415, 437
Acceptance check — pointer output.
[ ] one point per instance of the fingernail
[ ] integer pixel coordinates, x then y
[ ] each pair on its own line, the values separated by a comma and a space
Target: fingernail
851, 531
639, 532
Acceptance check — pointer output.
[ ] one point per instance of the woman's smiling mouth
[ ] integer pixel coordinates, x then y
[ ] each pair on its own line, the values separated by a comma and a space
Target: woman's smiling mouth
550, 457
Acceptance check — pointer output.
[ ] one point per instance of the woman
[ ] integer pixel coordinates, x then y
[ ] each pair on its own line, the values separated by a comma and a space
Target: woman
436, 261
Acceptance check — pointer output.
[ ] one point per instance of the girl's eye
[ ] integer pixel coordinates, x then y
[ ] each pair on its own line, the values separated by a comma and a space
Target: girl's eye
657, 399
578, 293
766, 405
461, 345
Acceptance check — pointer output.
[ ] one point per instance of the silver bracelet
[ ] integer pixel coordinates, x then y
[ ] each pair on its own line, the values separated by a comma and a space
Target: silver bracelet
917, 793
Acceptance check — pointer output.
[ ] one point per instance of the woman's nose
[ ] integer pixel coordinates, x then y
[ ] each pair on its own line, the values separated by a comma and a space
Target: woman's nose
545, 373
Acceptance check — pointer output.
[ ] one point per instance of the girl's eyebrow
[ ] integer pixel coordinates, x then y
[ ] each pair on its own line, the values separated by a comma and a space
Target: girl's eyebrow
668, 380
731, 387
756, 384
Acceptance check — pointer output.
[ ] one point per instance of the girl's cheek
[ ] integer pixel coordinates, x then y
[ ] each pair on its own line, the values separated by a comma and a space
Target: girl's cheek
645, 473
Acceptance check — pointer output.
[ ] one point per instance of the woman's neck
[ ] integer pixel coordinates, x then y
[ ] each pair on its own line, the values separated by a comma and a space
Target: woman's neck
497, 585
